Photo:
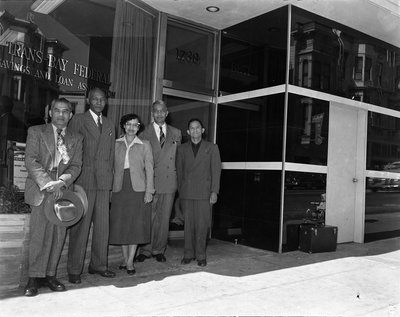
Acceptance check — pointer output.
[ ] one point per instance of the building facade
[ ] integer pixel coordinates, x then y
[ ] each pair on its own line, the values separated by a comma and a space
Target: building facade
304, 108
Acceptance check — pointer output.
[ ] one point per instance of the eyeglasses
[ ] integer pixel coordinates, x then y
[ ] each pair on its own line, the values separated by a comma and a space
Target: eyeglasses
101, 100
135, 125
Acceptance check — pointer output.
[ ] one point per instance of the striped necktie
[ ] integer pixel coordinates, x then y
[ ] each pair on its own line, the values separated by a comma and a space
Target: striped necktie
162, 137
99, 125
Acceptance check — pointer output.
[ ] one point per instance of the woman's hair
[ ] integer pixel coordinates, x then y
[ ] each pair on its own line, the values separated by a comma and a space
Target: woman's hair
129, 117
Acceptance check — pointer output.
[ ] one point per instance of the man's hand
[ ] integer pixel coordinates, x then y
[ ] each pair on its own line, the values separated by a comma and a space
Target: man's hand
54, 186
213, 198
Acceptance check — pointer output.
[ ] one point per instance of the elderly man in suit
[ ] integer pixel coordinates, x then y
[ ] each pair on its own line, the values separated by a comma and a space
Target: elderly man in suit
50, 167
164, 140
96, 179
198, 165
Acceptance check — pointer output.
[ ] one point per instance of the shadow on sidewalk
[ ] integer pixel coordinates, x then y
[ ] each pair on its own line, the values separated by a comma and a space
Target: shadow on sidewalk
223, 258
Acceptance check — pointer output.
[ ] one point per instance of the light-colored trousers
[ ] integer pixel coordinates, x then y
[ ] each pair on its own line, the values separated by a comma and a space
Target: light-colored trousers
161, 208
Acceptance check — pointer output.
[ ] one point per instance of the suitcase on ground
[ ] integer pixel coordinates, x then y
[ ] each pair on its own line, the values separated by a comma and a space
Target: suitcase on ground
314, 238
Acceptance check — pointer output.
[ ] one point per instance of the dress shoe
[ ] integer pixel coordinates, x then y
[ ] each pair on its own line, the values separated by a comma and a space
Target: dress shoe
186, 261
74, 278
105, 273
201, 262
31, 289
160, 257
131, 272
52, 283
141, 258
122, 266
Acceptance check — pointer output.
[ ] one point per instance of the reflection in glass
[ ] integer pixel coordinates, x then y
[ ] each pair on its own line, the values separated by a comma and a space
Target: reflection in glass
305, 196
253, 53
307, 133
189, 56
338, 60
181, 110
382, 208
383, 143
248, 212
251, 130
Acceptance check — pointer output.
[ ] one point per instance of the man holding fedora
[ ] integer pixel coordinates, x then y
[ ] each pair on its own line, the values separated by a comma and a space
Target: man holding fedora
53, 159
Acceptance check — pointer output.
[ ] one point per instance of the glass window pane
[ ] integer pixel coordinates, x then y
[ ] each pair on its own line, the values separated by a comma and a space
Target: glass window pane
382, 211
249, 211
344, 62
307, 132
251, 130
189, 56
305, 197
253, 53
181, 110
383, 143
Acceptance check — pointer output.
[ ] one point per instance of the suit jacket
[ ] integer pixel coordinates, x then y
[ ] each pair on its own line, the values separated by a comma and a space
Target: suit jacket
140, 166
198, 177
39, 160
98, 151
165, 178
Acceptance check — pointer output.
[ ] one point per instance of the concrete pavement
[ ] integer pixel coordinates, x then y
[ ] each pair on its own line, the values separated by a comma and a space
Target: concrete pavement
355, 280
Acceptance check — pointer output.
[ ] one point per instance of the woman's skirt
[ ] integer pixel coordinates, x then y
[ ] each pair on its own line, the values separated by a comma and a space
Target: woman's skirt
130, 217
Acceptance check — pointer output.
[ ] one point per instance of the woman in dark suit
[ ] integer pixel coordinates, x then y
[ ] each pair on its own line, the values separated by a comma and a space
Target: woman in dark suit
133, 189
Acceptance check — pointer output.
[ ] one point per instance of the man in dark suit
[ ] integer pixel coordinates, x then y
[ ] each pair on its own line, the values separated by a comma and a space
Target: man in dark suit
164, 140
96, 179
48, 172
198, 165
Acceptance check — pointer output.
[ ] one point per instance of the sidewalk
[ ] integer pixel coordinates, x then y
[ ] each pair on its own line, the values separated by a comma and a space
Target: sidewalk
356, 280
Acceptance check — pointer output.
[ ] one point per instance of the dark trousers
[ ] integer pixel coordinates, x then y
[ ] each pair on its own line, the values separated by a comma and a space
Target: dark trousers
197, 214
99, 213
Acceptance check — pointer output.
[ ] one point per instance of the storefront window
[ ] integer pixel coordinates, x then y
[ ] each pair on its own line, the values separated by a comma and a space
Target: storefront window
68, 49
189, 59
341, 61
248, 212
253, 53
382, 195
181, 110
307, 133
305, 198
251, 130
382, 201
383, 143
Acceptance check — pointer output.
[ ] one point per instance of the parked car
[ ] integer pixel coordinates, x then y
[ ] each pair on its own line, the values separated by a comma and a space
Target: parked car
387, 184
305, 181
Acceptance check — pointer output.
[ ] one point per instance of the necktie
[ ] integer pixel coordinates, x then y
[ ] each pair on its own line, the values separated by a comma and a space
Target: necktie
60, 144
99, 123
162, 137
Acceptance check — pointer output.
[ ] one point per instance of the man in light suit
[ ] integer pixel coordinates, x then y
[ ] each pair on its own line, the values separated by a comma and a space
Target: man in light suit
96, 179
198, 165
164, 140
48, 172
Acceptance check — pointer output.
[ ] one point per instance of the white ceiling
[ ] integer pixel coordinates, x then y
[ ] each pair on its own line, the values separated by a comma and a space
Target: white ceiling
378, 18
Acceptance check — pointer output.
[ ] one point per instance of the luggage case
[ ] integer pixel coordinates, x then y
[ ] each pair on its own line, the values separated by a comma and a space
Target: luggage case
314, 238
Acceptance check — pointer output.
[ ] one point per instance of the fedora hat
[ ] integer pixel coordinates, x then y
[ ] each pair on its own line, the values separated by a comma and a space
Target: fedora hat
80, 192
65, 211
